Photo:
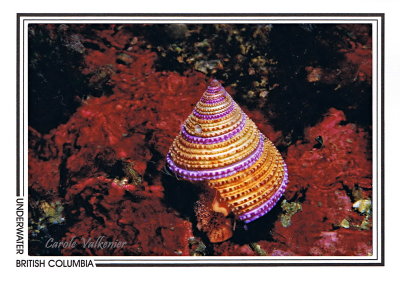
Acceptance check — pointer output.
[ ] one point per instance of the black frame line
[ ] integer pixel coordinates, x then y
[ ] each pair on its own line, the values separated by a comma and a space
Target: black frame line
235, 264
17, 107
209, 17
199, 14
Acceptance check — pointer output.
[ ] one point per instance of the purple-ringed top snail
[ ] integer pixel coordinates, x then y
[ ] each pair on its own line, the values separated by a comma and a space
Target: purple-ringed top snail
220, 146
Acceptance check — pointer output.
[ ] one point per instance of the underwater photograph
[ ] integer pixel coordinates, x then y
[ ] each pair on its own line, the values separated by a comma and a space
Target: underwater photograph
200, 139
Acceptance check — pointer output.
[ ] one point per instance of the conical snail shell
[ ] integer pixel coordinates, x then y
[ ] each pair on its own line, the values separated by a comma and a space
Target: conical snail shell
220, 145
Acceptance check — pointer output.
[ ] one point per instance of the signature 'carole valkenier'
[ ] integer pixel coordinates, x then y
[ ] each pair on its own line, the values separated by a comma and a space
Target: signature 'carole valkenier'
97, 243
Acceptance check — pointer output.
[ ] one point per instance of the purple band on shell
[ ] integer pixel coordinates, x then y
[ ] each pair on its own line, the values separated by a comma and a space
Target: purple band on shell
210, 174
214, 100
213, 90
207, 98
217, 116
269, 204
212, 140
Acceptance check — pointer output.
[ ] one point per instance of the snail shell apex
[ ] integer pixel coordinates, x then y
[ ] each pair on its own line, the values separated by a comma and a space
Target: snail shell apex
219, 144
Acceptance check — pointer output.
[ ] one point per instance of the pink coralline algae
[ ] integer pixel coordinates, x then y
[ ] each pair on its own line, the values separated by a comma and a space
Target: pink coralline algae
324, 176
119, 134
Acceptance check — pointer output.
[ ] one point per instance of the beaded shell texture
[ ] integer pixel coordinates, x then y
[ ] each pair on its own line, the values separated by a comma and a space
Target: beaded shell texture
220, 145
